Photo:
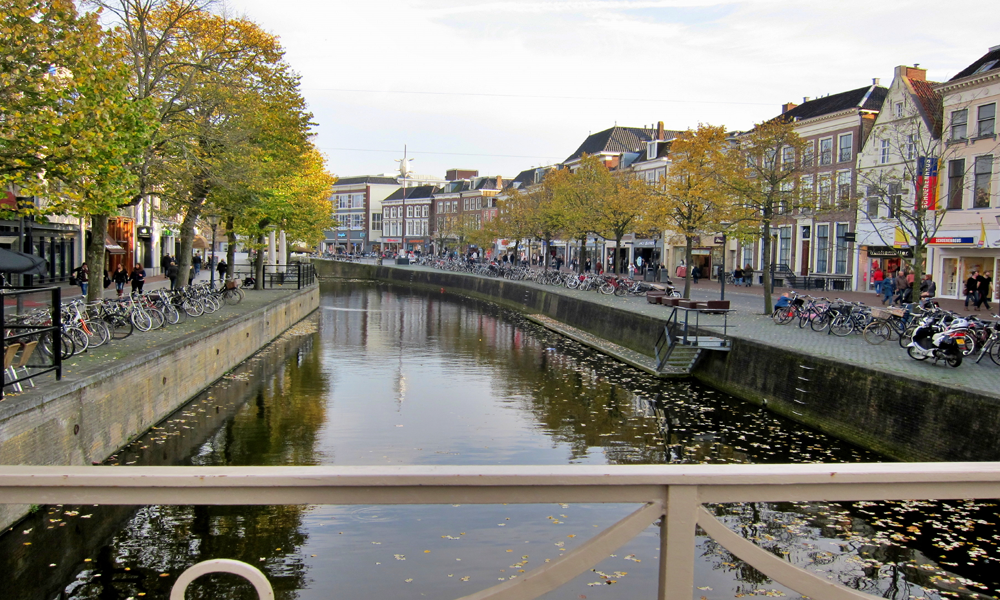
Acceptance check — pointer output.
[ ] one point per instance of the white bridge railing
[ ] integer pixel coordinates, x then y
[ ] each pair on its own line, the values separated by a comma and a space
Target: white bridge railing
675, 493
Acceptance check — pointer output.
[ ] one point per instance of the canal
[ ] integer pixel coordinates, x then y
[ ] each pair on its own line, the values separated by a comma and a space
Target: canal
384, 375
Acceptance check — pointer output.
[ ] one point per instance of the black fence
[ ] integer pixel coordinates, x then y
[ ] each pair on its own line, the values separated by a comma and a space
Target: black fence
32, 339
299, 274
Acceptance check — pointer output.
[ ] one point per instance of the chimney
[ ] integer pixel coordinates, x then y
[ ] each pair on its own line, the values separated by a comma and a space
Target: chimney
916, 73
660, 134
787, 107
499, 182
875, 80
805, 99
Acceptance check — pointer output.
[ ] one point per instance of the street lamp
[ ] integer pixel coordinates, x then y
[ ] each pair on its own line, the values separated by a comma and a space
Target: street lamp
722, 271
213, 222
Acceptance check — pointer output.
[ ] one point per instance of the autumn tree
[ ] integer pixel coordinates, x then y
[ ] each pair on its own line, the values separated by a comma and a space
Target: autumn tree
762, 172
578, 195
691, 200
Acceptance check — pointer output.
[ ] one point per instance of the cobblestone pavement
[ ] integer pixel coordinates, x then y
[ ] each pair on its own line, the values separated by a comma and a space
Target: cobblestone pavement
747, 322
94, 360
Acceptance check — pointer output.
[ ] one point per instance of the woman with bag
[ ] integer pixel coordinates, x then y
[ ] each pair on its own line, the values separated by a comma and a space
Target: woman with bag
82, 276
138, 277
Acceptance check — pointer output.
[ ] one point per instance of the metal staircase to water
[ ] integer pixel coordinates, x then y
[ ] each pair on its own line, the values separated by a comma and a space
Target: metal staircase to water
678, 351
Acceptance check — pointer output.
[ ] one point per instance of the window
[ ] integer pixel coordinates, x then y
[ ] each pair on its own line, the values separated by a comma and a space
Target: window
844, 186
357, 200
343, 201
806, 230
426, 211
385, 213
987, 119
807, 192
377, 221
784, 245
911, 147
787, 157
846, 152
895, 199
747, 255
986, 66
826, 151
825, 190
871, 195
822, 247
409, 212
841, 265
899, 109
786, 188
439, 206
357, 221
956, 181
959, 124
454, 206
883, 152
650, 151
769, 156
984, 172
809, 154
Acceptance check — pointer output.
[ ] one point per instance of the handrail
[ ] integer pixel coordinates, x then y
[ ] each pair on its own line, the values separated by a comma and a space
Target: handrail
673, 494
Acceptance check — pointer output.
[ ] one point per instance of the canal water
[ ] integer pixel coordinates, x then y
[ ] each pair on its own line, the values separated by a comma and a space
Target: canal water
384, 375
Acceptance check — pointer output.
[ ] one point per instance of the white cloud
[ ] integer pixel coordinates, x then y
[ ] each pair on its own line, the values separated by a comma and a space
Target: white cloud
742, 60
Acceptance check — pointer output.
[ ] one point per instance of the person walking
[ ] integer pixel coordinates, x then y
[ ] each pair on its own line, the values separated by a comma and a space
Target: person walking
900, 285
119, 276
888, 289
748, 275
82, 275
138, 278
984, 285
737, 276
877, 277
172, 275
196, 263
971, 288
222, 269
695, 274
928, 287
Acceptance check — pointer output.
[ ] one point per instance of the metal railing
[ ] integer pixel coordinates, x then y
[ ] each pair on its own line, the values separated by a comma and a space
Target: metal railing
673, 495
14, 332
300, 274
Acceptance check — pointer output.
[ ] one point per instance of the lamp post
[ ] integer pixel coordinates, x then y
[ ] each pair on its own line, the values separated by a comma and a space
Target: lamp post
213, 222
722, 271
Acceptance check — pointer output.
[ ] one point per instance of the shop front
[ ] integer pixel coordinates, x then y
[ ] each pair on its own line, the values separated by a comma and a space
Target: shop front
390, 244
955, 262
887, 258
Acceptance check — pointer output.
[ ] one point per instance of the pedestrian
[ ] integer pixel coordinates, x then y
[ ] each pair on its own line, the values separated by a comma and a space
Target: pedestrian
586, 266
223, 269
877, 277
196, 263
738, 275
631, 270
971, 288
888, 288
119, 276
900, 285
695, 274
137, 277
748, 275
82, 276
984, 285
928, 287
172, 275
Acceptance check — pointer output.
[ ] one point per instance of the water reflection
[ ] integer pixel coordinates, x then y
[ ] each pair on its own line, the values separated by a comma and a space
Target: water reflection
393, 376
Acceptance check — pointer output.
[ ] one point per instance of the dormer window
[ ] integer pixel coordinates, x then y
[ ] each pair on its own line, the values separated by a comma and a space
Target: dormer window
651, 148
986, 66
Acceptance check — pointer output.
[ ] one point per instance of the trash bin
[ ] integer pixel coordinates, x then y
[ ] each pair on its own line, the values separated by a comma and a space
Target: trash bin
664, 276
649, 275
402, 261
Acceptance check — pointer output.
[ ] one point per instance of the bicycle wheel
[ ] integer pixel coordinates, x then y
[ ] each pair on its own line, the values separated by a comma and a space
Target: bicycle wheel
995, 353
68, 348
80, 339
820, 323
170, 313
230, 297
191, 308
876, 332
606, 288
907, 336
211, 304
141, 319
842, 326
121, 327
621, 290
99, 332
157, 316
783, 315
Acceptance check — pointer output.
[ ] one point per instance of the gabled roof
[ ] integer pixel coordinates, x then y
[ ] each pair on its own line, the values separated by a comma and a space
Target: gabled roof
418, 192
930, 103
988, 62
527, 177
369, 179
865, 98
617, 140
488, 183
662, 150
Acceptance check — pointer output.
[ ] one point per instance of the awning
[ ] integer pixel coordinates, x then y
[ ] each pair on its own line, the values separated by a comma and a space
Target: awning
17, 262
112, 246
200, 243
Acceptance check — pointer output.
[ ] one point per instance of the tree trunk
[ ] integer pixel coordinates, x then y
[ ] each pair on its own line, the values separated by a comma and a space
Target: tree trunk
95, 256
582, 255
688, 244
545, 252
230, 247
766, 268
258, 266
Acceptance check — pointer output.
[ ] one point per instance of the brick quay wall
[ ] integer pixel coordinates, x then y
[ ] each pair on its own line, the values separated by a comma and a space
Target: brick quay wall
895, 414
85, 419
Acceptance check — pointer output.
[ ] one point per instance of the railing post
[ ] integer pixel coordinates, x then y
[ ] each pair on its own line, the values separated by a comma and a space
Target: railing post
677, 530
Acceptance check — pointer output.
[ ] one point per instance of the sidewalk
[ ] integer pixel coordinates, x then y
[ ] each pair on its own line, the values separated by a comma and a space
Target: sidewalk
69, 292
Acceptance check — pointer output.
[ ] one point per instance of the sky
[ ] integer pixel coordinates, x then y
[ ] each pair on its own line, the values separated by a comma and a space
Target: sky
503, 86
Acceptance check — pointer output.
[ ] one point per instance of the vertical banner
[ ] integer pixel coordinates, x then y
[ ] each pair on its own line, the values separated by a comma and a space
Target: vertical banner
927, 181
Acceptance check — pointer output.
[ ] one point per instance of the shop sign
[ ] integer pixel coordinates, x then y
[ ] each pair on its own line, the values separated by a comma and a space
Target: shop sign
701, 251
927, 178
166, 233
951, 240
644, 243
889, 252
341, 235
391, 240
719, 239
144, 232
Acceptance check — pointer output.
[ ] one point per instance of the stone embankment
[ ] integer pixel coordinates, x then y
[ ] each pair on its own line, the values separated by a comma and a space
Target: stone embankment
874, 396
110, 396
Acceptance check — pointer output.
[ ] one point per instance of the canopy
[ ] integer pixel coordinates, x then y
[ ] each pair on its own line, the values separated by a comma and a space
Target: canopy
112, 246
200, 243
27, 264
